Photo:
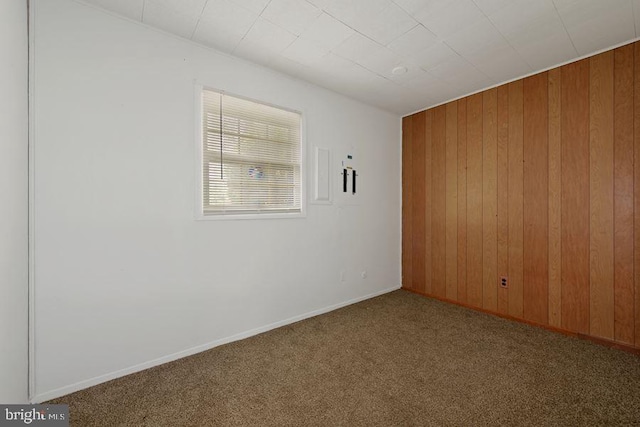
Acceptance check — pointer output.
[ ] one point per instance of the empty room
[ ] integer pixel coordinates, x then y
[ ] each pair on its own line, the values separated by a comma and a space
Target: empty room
319, 212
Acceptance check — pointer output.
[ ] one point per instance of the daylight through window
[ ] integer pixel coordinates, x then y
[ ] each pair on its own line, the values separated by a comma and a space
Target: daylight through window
250, 157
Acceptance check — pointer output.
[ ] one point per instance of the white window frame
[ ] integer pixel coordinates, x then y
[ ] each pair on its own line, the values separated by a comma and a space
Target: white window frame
199, 206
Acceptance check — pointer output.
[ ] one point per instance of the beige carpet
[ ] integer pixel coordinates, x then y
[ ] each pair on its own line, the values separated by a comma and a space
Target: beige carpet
396, 360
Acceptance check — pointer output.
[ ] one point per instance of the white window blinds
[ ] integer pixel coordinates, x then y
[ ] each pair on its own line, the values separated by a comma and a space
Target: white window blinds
251, 157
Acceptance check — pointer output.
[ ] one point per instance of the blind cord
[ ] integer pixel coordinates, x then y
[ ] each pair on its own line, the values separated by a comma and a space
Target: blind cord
221, 162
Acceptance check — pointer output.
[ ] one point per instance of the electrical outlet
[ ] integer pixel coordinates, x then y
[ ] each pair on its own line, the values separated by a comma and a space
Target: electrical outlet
504, 282
342, 276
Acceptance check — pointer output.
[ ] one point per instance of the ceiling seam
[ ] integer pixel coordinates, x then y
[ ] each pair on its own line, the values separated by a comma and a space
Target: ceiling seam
565, 27
204, 6
531, 68
250, 27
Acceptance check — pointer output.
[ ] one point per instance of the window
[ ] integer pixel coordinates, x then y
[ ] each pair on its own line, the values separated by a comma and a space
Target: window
251, 157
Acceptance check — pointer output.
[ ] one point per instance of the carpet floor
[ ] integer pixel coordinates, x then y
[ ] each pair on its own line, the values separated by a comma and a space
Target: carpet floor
396, 360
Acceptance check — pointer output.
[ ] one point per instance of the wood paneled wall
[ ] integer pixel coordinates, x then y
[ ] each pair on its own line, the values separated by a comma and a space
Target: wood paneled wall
538, 181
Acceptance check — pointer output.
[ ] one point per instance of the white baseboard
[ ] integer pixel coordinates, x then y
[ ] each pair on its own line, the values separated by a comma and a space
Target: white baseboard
62, 391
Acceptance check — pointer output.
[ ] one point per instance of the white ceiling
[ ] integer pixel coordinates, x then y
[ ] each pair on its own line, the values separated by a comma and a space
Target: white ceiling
450, 47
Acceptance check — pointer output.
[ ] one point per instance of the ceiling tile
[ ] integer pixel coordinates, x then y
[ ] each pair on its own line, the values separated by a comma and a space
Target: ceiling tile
543, 42
450, 47
180, 19
471, 83
227, 16
547, 52
382, 62
292, 15
184, 7
413, 72
304, 51
386, 26
350, 11
327, 31
456, 69
255, 6
415, 40
412, 6
477, 39
175, 23
577, 13
287, 66
269, 36
358, 47
433, 56
491, 6
521, 13
255, 52
502, 65
421, 81
218, 37
431, 87
354, 79
131, 9
446, 17
565, 3
595, 24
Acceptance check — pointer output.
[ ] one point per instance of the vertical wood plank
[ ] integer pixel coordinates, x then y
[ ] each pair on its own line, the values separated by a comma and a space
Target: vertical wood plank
516, 226
474, 200
418, 200
452, 200
490, 199
503, 195
407, 188
536, 198
555, 254
462, 200
623, 194
428, 200
438, 214
636, 189
575, 197
601, 308
535, 180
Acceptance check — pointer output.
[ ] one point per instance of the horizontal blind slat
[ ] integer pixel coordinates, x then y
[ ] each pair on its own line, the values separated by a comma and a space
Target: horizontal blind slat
251, 154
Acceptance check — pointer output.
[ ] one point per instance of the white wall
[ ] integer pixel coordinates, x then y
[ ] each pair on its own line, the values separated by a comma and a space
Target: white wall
125, 277
14, 201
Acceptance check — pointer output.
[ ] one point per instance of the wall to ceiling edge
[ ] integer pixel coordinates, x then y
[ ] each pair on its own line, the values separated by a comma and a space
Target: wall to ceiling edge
536, 181
125, 277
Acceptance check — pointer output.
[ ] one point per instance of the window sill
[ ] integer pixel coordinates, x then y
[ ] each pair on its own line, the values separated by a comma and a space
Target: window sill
238, 216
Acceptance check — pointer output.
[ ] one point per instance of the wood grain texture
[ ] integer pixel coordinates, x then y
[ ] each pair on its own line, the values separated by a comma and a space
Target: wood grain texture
575, 197
636, 189
438, 213
490, 200
601, 308
474, 201
407, 189
452, 200
428, 200
536, 198
555, 156
537, 180
623, 195
516, 226
418, 200
462, 200
503, 196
